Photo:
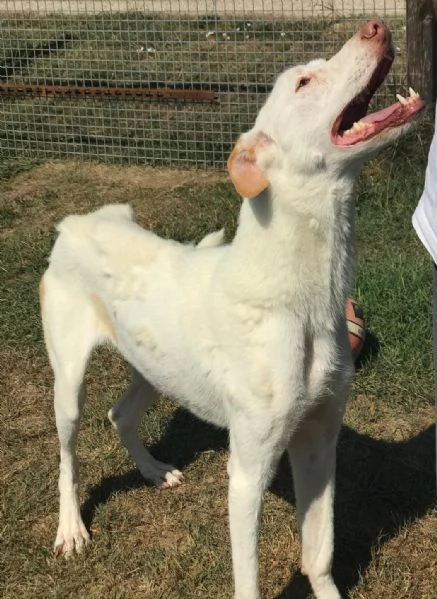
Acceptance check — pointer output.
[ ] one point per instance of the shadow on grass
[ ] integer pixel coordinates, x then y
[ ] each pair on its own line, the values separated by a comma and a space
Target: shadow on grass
185, 439
380, 487
370, 350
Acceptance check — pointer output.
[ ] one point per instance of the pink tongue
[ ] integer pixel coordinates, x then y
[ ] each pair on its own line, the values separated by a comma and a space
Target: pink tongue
381, 115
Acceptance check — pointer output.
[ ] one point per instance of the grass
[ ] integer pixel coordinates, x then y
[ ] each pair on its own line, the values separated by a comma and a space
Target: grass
238, 59
176, 544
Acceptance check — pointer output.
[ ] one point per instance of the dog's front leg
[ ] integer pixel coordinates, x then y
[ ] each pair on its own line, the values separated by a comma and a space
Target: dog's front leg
312, 453
251, 464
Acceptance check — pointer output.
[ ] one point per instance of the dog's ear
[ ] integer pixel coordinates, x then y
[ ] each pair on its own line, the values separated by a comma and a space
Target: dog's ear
247, 174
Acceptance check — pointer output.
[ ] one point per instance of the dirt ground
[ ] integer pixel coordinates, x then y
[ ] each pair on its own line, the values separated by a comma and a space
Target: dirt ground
292, 8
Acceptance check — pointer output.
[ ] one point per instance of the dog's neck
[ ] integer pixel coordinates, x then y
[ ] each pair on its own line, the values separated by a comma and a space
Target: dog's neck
299, 236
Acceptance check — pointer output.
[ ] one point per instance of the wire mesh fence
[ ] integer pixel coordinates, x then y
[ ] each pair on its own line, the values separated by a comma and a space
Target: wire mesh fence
169, 82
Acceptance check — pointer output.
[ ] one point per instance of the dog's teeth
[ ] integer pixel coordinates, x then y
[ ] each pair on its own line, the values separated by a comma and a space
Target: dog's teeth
356, 128
413, 94
401, 99
359, 126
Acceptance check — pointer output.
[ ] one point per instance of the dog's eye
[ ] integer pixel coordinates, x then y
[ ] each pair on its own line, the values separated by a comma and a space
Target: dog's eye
302, 82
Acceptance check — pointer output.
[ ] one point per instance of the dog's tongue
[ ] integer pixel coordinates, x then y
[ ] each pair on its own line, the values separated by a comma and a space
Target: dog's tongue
381, 115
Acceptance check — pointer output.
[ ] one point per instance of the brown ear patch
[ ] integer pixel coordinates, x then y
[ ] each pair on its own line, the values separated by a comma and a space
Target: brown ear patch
248, 178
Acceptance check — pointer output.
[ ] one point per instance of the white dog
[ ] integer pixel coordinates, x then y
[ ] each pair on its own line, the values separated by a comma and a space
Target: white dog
250, 335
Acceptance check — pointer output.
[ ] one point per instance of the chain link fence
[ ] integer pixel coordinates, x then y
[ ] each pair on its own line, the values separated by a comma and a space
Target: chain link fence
160, 82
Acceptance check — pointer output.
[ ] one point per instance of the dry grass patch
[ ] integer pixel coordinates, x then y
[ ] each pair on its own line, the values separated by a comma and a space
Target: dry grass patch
175, 544
43, 196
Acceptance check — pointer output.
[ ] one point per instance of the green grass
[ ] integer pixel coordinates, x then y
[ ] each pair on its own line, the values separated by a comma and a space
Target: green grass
112, 48
176, 544
395, 275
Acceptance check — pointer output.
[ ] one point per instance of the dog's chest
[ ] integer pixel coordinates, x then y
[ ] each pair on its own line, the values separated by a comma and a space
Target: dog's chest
214, 355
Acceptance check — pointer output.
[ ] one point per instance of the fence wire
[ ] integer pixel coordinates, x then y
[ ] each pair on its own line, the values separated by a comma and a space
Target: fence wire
169, 82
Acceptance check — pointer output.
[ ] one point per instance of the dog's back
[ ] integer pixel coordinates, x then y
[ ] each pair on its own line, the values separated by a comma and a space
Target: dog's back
105, 243
150, 297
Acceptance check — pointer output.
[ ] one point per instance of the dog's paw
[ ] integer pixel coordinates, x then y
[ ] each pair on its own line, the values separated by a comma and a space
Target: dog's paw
71, 539
161, 475
172, 479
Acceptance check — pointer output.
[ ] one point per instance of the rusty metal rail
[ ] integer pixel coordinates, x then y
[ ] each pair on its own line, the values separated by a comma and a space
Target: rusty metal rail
81, 91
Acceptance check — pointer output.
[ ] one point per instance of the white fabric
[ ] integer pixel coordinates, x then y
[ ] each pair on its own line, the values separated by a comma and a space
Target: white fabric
425, 215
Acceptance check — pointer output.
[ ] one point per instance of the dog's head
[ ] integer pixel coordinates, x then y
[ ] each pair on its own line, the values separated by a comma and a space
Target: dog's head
316, 115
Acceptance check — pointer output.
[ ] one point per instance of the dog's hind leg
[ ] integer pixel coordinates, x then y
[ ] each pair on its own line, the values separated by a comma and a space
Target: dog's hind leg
125, 416
71, 330
312, 453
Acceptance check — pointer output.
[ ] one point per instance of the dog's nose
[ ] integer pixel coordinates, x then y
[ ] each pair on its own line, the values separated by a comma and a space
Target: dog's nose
374, 30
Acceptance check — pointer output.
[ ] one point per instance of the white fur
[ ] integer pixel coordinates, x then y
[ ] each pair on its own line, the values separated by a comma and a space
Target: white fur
249, 335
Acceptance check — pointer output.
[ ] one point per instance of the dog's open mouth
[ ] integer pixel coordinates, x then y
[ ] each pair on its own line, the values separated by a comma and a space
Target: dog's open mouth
354, 125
